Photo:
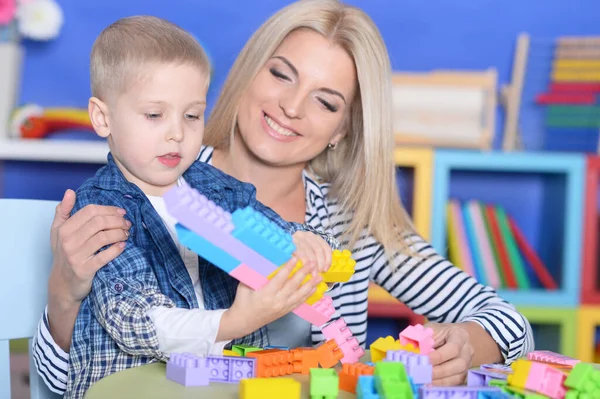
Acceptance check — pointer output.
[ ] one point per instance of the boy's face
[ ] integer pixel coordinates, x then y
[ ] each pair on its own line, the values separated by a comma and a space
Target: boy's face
155, 128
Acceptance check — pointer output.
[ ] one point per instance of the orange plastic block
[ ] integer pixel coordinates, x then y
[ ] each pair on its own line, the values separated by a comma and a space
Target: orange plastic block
319, 292
350, 373
380, 347
269, 388
305, 359
273, 362
341, 269
329, 354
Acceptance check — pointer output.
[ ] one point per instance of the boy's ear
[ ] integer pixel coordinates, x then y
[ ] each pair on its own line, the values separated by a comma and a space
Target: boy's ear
98, 112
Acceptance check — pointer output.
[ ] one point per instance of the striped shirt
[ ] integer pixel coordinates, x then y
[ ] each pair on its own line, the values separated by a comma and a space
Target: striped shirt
428, 284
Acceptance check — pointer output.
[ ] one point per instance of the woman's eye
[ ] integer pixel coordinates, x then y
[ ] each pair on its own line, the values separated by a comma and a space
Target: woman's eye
278, 74
327, 105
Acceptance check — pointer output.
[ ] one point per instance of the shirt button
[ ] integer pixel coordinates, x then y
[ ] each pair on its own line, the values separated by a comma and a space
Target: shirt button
119, 287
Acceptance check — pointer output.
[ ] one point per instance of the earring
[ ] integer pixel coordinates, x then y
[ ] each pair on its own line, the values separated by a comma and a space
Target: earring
332, 146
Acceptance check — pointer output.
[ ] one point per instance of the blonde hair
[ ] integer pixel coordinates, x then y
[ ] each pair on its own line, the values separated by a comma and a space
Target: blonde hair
361, 169
127, 45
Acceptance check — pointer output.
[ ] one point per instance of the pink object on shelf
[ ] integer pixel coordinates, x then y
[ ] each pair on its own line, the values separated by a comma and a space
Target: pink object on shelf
338, 331
8, 9
552, 357
188, 370
418, 336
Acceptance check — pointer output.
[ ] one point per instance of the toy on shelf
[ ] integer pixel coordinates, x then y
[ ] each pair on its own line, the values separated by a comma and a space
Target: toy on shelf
35, 122
489, 245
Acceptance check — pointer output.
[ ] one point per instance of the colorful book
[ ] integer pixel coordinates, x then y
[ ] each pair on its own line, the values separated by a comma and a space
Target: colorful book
457, 240
513, 250
471, 234
482, 242
493, 245
504, 264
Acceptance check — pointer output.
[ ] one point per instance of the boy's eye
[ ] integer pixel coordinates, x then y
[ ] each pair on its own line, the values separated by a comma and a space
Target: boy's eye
153, 115
192, 117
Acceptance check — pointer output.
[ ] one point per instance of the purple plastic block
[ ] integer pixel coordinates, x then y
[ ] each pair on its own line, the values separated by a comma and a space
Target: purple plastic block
459, 392
230, 368
482, 378
187, 369
417, 366
195, 212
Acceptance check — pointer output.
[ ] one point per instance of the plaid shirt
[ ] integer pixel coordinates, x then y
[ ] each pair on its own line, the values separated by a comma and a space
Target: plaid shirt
113, 331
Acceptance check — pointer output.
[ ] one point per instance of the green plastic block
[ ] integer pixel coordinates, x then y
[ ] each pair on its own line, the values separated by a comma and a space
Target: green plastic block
497, 383
324, 383
572, 395
394, 370
393, 388
243, 350
584, 378
522, 393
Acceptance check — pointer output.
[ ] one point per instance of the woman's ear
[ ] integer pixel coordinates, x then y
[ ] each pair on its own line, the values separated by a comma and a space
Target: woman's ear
98, 112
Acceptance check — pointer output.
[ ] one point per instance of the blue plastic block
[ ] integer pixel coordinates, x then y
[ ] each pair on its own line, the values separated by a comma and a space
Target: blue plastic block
365, 388
284, 348
205, 249
262, 235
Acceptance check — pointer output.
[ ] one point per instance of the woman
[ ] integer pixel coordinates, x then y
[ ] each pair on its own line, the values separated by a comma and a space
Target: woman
305, 116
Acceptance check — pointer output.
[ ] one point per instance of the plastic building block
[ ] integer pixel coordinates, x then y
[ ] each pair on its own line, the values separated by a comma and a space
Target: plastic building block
521, 393
264, 236
196, 213
229, 369
325, 309
417, 366
342, 267
520, 373
324, 383
496, 368
338, 331
350, 373
391, 380
270, 388
283, 348
227, 352
459, 392
187, 369
552, 358
207, 250
585, 379
321, 287
419, 336
380, 347
482, 378
273, 362
304, 359
243, 350
365, 388
538, 377
408, 348
329, 354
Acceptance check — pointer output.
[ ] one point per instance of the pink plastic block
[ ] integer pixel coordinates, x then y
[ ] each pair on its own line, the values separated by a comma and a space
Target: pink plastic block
552, 357
248, 276
338, 331
546, 380
417, 366
419, 336
187, 369
195, 212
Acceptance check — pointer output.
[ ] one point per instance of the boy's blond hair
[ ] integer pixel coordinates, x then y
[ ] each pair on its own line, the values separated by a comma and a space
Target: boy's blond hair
123, 49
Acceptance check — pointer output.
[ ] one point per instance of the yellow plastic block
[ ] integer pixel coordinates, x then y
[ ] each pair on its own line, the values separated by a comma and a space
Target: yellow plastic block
408, 347
227, 352
341, 269
321, 287
520, 373
380, 347
269, 388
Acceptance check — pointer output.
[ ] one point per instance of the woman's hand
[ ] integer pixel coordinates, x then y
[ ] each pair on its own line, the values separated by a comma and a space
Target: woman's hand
453, 354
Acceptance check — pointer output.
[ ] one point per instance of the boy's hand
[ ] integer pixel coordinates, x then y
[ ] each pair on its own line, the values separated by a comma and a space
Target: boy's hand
252, 310
312, 248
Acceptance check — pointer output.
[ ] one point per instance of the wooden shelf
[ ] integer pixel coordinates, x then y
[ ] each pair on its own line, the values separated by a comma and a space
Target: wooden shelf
75, 151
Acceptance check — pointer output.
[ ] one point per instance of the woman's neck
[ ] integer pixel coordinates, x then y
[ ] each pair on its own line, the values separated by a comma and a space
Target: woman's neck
278, 187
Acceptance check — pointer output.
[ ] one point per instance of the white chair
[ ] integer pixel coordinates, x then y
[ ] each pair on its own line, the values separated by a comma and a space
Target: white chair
25, 262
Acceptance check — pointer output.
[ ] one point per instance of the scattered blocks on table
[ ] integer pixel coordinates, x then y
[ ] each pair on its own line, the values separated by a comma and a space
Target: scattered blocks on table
338, 331
381, 346
262, 235
243, 350
482, 378
187, 369
552, 358
419, 336
324, 384
417, 366
270, 388
342, 267
273, 363
305, 359
329, 354
350, 373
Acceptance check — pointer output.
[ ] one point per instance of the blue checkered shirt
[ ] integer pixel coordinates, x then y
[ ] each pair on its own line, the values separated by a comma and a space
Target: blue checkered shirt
113, 331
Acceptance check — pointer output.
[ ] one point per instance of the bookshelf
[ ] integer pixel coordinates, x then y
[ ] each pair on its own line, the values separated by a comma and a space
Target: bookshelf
544, 194
563, 319
588, 320
419, 163
590, 286
66, 151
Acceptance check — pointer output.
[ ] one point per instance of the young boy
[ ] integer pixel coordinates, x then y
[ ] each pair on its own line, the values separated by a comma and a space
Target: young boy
149, 83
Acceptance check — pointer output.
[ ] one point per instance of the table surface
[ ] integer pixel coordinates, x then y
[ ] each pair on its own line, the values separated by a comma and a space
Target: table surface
150, 382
